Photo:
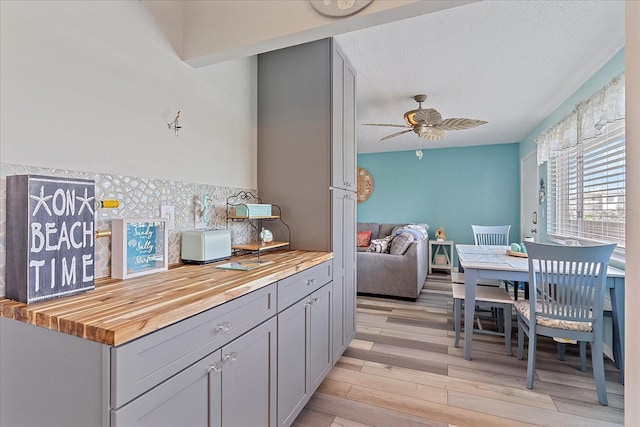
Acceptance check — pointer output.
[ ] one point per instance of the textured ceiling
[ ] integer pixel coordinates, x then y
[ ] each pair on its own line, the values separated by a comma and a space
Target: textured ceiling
510, 63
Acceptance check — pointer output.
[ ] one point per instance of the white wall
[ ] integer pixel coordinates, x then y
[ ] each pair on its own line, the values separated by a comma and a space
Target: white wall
90, 86
632, 291
227, 29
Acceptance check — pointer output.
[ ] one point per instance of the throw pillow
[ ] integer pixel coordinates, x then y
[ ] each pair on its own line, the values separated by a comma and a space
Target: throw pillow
401, 243
380, 245
363, 238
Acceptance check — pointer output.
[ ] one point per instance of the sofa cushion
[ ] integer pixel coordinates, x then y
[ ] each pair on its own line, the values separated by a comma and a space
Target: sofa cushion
401, 243
363, 238
387, 230
380, 245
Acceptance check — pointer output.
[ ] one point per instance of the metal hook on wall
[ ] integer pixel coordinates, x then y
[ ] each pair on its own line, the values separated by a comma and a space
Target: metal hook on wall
175, 125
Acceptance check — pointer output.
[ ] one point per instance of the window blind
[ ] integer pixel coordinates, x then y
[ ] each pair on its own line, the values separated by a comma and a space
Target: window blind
587, 189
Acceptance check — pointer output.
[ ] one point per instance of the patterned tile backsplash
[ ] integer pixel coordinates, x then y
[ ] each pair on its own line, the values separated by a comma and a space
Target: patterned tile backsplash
139, 198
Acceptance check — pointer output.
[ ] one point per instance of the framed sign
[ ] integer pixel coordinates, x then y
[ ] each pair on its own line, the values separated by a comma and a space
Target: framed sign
138, 247
50, 237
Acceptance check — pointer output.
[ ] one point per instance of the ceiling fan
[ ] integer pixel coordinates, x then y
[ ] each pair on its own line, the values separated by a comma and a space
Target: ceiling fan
428, 123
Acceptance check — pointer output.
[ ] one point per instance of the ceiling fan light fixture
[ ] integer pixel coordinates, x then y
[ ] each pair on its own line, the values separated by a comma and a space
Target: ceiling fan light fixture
410, 118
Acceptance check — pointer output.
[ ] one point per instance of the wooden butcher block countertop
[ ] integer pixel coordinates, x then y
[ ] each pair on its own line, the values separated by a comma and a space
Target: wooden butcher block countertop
118, 311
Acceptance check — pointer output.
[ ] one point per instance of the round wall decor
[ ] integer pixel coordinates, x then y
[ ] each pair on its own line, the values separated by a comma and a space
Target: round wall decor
365, 185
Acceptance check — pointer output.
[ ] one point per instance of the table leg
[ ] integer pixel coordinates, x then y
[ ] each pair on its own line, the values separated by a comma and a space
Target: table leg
617, 307
470, 282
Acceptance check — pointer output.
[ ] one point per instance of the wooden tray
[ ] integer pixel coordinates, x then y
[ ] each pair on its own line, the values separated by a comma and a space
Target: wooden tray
518, 254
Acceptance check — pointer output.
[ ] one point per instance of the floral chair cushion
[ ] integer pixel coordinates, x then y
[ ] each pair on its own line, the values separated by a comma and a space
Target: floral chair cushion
523, 307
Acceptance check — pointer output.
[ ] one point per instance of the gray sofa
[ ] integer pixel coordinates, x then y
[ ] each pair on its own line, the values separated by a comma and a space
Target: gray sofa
389, 274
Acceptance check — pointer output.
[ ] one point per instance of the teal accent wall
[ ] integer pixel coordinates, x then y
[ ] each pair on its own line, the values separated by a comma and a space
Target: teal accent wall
450, 187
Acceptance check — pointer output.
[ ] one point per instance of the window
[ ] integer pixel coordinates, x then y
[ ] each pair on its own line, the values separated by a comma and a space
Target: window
586, 190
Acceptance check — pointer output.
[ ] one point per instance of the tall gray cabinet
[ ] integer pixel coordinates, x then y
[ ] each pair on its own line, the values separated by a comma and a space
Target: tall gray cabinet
307, 160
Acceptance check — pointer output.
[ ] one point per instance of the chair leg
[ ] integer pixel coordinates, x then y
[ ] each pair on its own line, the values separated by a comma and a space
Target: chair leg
597, 360
531, 361
521, 333
499, 315
583, 355
561, 349
457, 308
506, 310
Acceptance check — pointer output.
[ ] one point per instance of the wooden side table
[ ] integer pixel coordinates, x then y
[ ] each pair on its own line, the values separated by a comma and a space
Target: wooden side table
441, 255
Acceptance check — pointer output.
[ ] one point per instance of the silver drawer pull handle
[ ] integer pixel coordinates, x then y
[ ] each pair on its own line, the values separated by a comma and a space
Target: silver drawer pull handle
315, 300
308, 303
215, 367
224, 326
311, 282
229, 357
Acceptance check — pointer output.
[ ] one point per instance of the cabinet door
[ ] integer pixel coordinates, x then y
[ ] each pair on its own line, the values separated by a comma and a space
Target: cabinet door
350, 269
343, 121
182, 400
320, 356
249, 378
293, 387
304, 351
344, 276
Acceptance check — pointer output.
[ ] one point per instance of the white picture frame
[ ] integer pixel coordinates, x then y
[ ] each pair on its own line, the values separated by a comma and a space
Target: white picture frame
139, 246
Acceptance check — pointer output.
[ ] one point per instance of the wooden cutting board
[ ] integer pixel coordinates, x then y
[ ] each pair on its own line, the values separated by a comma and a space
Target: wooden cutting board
518, 254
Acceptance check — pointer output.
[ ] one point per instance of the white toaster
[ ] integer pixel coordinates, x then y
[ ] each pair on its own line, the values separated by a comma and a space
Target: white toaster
204, 246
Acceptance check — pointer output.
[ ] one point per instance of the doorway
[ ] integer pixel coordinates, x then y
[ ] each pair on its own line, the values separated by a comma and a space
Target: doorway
530, 217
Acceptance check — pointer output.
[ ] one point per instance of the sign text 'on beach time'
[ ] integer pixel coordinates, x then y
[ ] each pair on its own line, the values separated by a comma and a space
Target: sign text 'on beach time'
61, 230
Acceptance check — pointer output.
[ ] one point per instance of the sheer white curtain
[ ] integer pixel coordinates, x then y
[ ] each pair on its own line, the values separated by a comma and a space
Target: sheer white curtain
586, 121
586, 171
559, 137
604, 106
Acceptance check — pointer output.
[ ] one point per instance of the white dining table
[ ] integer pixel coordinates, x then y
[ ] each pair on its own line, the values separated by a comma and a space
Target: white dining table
492, 262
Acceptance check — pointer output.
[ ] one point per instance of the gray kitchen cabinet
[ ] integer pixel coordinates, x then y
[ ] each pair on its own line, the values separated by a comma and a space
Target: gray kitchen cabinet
187, 399
142, 364
304, 351
344, 279
343, 152
307, 158
217, 368
216, 390
248, 379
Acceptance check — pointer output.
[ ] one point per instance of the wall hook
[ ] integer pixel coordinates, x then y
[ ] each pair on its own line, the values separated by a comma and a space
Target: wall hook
175, 125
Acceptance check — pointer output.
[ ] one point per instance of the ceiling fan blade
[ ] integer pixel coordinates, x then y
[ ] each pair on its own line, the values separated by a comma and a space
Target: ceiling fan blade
395, 134
381, 124
459, 124
430, 133
429, 116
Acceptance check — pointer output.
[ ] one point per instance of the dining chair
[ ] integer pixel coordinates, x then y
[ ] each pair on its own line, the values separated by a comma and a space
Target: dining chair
567, 287
494, 235
493, 299
486, 235
485, 296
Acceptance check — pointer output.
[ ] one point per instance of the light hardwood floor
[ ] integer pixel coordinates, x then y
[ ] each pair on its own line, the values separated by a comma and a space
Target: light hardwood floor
403, 370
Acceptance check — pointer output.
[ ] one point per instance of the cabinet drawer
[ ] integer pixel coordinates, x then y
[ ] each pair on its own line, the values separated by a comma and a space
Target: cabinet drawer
146, 362
182, 401
298, 286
